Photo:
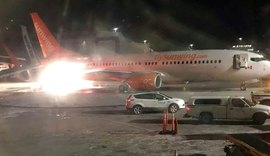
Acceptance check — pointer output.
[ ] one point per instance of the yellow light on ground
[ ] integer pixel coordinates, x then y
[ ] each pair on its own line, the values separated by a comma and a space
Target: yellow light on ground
63, 77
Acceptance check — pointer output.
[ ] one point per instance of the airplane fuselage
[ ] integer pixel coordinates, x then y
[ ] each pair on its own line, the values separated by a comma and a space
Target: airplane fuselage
199, 65
150, 70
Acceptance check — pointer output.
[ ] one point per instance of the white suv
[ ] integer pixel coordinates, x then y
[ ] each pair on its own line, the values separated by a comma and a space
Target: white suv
139, 102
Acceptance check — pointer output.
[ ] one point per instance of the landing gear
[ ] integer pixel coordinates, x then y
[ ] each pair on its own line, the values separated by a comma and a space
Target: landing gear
185, 86
243, 86
123, 88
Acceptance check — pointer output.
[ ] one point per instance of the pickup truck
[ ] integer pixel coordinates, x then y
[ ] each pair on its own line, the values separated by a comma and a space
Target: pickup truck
208, 108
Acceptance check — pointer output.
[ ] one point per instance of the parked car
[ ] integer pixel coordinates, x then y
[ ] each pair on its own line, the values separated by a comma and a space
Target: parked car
140, 102
208, 108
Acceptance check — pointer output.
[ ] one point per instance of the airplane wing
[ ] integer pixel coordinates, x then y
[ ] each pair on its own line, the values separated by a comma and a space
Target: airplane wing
105, 75
17, 70
7, 57
135, 80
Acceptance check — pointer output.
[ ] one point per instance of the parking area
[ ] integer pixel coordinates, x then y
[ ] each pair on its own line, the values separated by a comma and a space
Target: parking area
98, 124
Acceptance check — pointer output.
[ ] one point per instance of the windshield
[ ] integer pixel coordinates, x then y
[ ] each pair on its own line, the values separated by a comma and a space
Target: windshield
258, 59
166, 96
93, 77
250, 103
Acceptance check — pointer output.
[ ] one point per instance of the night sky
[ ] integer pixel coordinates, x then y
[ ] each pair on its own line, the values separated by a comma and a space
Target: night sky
166, 24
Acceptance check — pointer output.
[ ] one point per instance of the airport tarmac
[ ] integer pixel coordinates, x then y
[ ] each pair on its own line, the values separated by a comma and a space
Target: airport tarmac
98, 124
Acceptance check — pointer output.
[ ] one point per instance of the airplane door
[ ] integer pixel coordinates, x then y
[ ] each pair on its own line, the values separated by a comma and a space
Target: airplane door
240, 61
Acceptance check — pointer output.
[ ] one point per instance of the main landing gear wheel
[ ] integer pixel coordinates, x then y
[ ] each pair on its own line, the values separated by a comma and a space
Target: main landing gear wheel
123, 88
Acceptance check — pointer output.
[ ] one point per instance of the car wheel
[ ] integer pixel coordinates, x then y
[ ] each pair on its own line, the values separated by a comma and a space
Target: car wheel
206, 118
259, 119
137, 109
173, 108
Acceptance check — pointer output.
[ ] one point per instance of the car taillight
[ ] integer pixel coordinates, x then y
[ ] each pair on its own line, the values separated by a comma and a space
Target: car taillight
187, 108
128, 101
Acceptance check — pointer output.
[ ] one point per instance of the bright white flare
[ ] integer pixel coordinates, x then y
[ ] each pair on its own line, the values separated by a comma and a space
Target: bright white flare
63, 77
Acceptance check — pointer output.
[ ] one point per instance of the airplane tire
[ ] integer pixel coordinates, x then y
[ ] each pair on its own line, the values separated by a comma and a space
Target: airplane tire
123, 88
243, 87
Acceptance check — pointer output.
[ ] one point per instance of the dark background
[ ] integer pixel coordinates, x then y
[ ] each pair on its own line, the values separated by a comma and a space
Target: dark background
165, 24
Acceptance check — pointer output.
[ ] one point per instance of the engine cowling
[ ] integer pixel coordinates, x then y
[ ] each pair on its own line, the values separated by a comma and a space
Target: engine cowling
146, 81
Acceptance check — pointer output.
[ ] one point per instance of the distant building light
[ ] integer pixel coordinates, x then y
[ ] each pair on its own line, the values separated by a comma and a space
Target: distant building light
242, 46
115, 29
240, 38
247, 47
191, 46
83, 43
144, 41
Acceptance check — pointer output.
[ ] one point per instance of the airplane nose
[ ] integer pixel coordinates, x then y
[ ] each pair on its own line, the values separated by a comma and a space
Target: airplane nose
266, 67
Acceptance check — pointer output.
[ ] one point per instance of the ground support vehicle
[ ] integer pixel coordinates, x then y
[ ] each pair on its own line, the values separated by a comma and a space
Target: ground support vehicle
261, 96
248, 145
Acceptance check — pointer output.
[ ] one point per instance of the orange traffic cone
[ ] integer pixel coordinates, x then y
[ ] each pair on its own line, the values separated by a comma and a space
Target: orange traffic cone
165, 123
173, 124
175, 127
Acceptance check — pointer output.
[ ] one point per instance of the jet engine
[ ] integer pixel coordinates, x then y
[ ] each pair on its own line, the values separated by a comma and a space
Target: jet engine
145, 81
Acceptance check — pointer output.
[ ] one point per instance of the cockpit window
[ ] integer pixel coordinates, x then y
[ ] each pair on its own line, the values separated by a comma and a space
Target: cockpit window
257, 59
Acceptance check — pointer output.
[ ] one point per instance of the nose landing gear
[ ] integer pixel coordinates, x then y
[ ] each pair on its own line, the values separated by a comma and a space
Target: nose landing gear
243, 86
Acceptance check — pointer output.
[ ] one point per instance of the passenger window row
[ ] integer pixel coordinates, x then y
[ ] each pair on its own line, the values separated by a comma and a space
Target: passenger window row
192, 62
122, 64
115, 64
154, 63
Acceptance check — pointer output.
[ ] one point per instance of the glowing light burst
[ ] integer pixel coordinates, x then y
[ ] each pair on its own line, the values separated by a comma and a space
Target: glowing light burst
63, 77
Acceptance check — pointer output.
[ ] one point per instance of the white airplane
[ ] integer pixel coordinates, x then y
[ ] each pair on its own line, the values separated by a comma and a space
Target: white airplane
149, 71
4, 65
12, 65
153, 69
10, 60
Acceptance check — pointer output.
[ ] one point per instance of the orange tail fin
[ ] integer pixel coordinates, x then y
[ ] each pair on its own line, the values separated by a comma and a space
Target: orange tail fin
49, 45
